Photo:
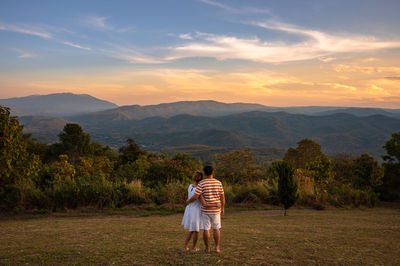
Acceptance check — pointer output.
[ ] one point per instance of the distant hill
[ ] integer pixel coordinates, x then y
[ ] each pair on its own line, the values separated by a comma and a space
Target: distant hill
58, 105
203, 108
216, 125
43, 128
336, 132
214, 109
362, 111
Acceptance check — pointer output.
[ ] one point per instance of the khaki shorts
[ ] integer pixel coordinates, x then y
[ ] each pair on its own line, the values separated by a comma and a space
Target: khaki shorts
211, 220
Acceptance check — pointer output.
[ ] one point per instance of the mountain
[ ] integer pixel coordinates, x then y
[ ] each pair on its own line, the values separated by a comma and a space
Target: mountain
214, 109
336, 132
362, 111
43, 128
204, 108
58, 105
218, 125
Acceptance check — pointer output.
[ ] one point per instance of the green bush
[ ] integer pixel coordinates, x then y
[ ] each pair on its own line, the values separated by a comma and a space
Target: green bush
64, 194
133, 193
254, 193
171, 193
97, 191
10, 197
344, 195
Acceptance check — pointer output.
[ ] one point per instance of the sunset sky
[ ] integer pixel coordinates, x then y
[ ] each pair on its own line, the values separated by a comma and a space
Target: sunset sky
277, 53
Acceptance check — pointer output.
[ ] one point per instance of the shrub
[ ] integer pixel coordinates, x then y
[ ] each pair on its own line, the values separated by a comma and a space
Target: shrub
133, 193
97, 191
344, 195
171, 193
254, 193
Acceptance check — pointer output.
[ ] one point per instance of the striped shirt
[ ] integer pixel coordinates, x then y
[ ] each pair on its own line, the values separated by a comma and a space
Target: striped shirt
212, 190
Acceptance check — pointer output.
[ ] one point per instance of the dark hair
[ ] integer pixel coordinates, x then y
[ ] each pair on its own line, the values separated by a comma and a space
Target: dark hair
198, 176
208, 170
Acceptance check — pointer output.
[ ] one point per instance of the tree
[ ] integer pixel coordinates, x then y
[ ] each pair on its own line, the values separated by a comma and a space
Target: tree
306, 152
367, 173
73, 141
19, 169
238, 167
287, 187
130, 153
390, 188
392, 148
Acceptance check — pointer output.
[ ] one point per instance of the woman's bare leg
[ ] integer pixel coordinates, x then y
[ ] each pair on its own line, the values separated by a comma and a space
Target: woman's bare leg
195, 238
189, 236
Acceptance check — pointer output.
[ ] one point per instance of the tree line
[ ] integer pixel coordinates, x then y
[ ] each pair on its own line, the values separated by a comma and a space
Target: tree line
78, 172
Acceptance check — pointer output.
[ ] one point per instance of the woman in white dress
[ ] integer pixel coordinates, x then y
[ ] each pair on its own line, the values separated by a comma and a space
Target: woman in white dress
191, 220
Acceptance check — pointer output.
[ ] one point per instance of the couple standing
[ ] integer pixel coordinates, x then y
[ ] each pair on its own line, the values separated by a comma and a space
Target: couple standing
205, 205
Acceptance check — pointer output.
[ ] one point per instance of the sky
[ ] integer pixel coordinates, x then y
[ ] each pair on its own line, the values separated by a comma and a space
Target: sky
276, 53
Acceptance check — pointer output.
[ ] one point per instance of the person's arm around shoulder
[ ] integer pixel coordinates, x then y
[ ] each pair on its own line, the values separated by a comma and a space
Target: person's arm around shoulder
222, 199
197, 192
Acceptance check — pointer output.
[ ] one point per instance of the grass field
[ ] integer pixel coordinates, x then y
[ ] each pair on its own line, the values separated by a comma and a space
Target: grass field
304, 237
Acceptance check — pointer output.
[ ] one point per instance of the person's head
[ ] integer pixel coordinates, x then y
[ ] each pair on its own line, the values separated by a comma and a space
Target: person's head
208, 170
197, 177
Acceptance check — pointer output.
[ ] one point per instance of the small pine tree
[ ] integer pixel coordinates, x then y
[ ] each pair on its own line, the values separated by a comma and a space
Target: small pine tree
287, 187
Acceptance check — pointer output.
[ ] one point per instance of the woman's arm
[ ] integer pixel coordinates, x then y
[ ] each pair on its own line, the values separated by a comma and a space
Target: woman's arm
205, 204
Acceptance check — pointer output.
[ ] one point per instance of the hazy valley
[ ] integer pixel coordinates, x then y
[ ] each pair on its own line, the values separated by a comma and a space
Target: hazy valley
204, 126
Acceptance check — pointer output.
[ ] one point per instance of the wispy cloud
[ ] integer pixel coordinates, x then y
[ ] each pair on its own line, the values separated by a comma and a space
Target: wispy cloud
97, 22
317, 45
131, 55
241, 10
186, 36
393, 78
22, 53
325, 42
326, 59
364, 69
77, 46
27, 29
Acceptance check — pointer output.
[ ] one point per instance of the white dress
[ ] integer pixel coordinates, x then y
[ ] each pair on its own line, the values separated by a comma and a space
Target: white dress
191, 220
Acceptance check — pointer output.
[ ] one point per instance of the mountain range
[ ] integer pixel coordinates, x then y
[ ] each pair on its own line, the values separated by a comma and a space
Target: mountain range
214, 125
58, 104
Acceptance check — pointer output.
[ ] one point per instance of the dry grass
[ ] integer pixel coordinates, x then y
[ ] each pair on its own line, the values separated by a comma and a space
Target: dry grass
253, 237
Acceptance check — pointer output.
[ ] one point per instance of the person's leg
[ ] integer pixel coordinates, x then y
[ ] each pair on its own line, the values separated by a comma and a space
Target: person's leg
217, 238
206, 238
189, 236
195, 237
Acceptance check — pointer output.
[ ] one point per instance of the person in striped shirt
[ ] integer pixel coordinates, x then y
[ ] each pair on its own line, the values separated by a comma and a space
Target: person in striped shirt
212, 191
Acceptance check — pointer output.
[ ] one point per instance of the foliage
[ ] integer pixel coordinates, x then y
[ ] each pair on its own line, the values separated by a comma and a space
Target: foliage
238, 167
130, 153
19, 169
344, 195
367, 173
77, 172
390, 188
287, 187
306, 152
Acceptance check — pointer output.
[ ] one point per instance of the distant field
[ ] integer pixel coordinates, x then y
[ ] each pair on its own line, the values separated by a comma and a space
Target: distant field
253, 237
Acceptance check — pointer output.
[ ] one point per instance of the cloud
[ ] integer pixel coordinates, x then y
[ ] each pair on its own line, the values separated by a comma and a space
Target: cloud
26, 29
126, 29
97, 22
393, 78
242, 10
131, 55
330, 43
326, 59
186, 36
77, 46
364, 69
318, 44
23, 54
227, 47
